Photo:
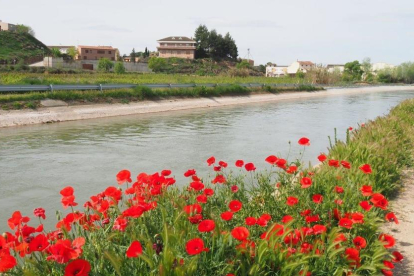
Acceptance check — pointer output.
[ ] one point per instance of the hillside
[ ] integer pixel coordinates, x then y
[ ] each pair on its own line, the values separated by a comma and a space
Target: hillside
18, 46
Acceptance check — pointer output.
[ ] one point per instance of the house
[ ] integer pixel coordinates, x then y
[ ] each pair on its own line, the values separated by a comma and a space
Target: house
381, 66
276, 71
62, 49
335, 67
96, 53
302, 66
250, 61
176, 46
7, 26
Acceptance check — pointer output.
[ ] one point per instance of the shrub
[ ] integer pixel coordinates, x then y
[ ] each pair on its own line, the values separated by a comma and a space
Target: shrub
157, 64
119, 68
105, 65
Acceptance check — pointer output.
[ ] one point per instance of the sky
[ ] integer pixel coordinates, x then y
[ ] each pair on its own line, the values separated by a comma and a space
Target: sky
277, 31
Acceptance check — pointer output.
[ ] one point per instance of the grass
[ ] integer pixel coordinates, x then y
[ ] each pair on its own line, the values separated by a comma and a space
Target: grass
137, 94
20, 46
315, 236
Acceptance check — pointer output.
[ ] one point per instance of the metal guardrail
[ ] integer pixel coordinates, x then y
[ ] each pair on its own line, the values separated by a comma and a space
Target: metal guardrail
101, 87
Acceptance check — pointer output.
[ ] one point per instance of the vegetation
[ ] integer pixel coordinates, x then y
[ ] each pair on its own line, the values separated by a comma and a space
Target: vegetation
285, 220
353, 71
119, 68
7, 101
403, 73
17, 46
105, 65
210, 44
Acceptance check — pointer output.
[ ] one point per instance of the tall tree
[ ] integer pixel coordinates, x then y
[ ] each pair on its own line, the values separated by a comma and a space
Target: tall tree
133, 55
201, 38
230, 47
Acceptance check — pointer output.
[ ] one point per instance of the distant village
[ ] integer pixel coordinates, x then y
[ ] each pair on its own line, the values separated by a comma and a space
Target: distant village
87, 57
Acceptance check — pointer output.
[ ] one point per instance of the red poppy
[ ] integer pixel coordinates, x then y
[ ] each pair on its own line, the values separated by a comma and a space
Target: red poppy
352, 254
208, 192
201, 198
379, 201
196, 219
195, 208
292, 169
7, 262
339, 190
317, 198
366, 190
281, 163
346, 223
113, 193
211, 160
388, 240
262, 222
310, 219
67, 191
350, 128
234, 188
123, 176
195, 246
249, 167
319, 229
227, 215
340, 238
240, 233
359, 242
287, 218
250, 221
134, 250
388, 264
386, 272
306, 212
219, 179
223, 164
39, 212
16, 220
398, 257
134, 211
39, 243
235, 205
165, 172
120, 224
189, 173
217, 168
366, 169
346, 164
207, 225
291, 201
322, 157
306, 182
357, 217
197, 185
304, 141
333, 163
78, 267
239, 163
271, 159
365, 205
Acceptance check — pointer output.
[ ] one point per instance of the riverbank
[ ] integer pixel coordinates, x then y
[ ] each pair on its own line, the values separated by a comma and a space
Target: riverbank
81, 112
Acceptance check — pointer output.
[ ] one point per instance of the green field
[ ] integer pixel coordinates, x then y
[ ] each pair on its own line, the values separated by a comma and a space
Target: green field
20, 46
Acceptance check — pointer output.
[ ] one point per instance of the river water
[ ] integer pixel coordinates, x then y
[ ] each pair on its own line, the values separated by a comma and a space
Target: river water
37, 161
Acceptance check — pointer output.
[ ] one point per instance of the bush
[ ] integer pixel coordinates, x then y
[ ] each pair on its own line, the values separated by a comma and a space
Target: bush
119, 68
105, 65
157, 64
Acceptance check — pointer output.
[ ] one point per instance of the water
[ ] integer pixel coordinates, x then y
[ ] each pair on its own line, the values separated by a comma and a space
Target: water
37, 161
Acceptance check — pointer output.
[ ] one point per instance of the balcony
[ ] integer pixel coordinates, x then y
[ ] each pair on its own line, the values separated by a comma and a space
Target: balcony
173, 47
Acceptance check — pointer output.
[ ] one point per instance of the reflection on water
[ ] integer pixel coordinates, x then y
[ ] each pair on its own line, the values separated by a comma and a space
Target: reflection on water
37, 161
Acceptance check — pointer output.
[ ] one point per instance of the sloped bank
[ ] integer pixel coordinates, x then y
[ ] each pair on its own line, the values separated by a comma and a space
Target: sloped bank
81, 112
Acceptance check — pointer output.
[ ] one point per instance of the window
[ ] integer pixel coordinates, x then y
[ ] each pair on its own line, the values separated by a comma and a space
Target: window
84, 57
86, 51
109, 52
101, 52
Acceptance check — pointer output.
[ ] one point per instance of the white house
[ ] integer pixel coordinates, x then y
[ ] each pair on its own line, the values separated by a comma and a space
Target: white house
276, 71
7, 26
335, 67
381, 66
303, 66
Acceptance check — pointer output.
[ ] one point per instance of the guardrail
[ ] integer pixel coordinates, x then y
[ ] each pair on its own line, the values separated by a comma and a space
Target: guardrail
101, 87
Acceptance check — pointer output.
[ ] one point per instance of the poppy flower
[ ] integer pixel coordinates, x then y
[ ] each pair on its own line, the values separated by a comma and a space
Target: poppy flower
379, 201
306, 212
333, 163
291, 201
7, 262
211, 160
322, 157
217, 168
319, 229
39, 243
350, 128
366, 190
240, 233
239, 163
207, 225
346, 223
134, 250
345, 164
16, 220
340, 238
317, 198
359, 242
357, 217
339, 189
287, 218
366, 168
223, 164
281, 163
304, 141
386, 272
235, 205
189, 173
201, 198
208, 192
197, 185
78, 267
196, 219
310, 219
227, 215
352, 254
271, 159
219, 179
250, 221
388, 264
195, 246
292, 169
67, 191
39, 212
120, 224
388, 240
165, 172
249, 167
398, 257
123, 176
365, 205
306, 182
234, 188
262, 222
195, 208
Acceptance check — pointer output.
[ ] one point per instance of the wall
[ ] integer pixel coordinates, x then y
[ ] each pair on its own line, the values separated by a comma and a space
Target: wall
78, 65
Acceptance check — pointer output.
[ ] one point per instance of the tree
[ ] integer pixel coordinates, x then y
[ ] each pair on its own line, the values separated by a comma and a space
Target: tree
55, 52
201, 38
157, 64
133, 55
146, 53
243, 64
72, 52
352, 71
119, 68
105, 65
25, 29
230, 48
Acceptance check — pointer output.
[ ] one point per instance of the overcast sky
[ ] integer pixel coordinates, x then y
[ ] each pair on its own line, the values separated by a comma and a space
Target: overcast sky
279, 31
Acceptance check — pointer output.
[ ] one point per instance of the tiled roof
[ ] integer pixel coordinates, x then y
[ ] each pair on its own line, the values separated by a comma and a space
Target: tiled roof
306, 63
177, 38
98, 47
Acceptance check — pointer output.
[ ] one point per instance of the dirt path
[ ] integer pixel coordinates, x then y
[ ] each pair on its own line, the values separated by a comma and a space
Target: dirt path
403, 207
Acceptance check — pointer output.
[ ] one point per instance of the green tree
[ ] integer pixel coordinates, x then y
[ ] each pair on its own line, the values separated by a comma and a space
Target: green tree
146, 53
201, 38
133, 55
105, 65
72, 52
230, 48
352, 71
25, 29
119, 68
157, 64
300, 74
243, 64
55, 52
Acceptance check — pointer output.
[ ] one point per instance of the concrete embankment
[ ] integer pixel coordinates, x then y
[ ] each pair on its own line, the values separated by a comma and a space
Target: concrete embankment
81, 112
